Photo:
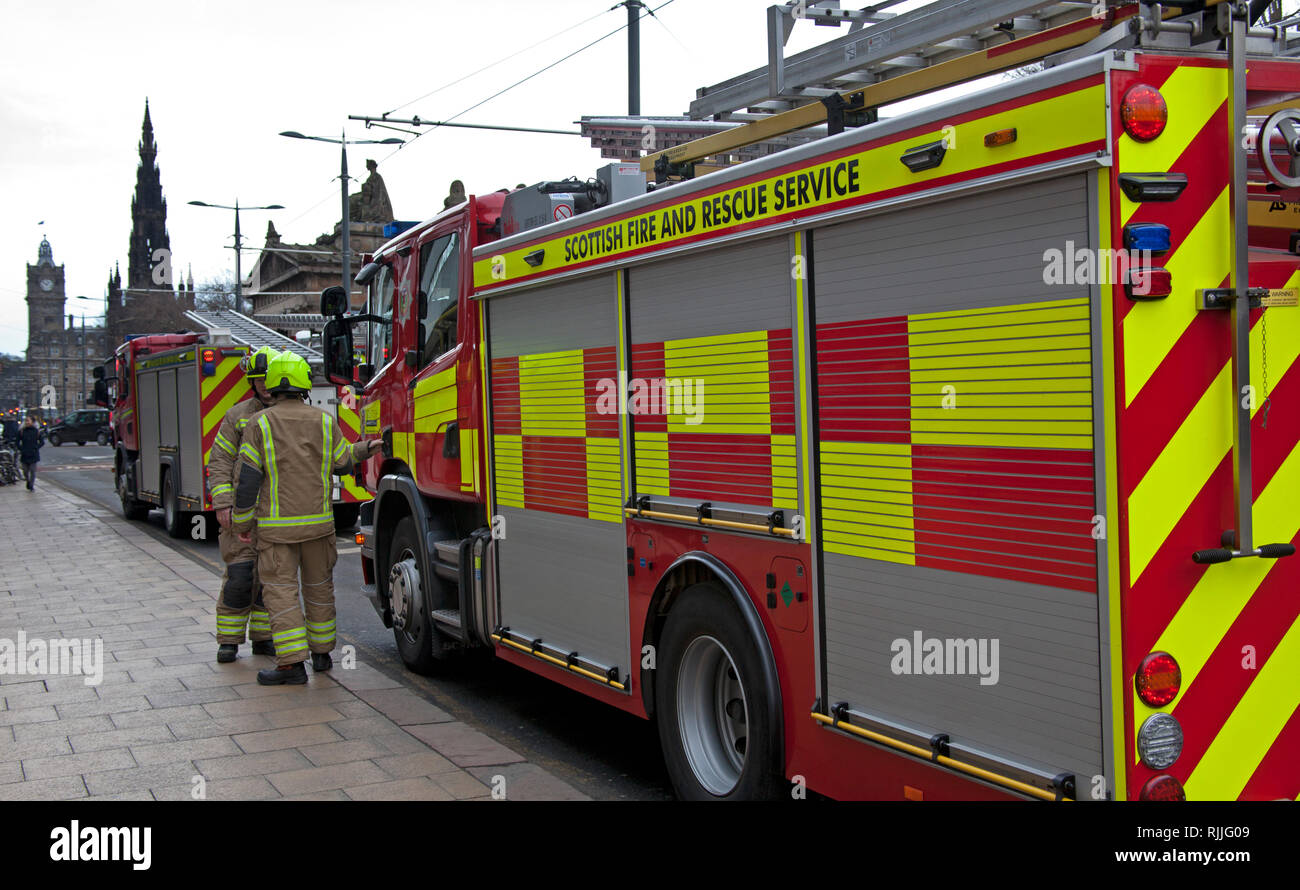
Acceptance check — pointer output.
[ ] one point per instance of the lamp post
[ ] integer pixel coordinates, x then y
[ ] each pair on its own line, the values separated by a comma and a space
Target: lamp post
83, 340
239, 282
344, 142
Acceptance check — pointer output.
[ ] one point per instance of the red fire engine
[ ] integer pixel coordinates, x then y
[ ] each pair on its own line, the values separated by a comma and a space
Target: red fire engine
953, 455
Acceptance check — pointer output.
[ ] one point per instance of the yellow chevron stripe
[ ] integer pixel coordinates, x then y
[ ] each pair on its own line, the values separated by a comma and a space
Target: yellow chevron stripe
1193, 94
1254, 725
1168, 488
213, 418
1152, 328
225, 368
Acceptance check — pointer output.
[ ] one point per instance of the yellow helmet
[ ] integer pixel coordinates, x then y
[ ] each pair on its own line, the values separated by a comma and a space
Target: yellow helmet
255, 364
288, 372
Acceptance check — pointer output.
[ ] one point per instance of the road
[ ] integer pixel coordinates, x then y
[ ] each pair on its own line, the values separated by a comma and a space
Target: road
601, 751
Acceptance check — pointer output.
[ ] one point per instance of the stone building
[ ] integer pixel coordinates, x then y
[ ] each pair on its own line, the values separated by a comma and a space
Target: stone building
57, 376
286, 279
149, 303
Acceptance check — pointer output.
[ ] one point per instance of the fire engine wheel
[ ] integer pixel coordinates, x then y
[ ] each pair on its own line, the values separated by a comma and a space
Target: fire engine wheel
131, 508
175, 521
713, 714
412, 626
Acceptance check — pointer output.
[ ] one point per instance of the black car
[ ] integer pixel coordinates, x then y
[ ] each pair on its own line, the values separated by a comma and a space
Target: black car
78, 426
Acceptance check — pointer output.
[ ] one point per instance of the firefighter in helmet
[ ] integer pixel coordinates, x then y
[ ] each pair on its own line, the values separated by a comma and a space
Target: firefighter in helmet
241, 594
283, 487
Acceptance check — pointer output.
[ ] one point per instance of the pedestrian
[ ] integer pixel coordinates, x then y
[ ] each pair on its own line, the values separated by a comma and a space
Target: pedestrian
283, 487
30, 446
240, 606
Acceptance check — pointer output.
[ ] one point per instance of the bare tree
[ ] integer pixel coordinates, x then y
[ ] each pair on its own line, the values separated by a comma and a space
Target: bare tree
217, 292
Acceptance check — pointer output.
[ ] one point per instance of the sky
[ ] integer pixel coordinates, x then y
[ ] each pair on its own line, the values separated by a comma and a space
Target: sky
224, 78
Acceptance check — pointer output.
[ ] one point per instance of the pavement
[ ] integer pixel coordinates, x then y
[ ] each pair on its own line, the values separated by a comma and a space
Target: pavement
165, 721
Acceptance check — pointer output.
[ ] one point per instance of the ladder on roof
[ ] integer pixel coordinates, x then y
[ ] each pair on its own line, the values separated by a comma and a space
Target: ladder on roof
250, 333
886, 57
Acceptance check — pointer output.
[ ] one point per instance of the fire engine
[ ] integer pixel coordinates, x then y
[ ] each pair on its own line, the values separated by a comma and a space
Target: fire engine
171, 392
952, 455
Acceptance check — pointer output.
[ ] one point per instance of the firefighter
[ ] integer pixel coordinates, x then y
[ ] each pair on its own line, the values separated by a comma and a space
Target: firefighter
283, 486
241, 594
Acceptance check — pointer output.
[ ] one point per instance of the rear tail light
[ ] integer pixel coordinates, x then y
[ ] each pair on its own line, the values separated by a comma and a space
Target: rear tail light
1143, 113
209, 362
1158, 679
1152, 186
1148, 283
360, 538
1160, 741
1165, 788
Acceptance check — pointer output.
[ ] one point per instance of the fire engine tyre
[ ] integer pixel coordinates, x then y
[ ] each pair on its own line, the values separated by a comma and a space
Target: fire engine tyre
55, 440
713, 715
131, 508
174, 520
412, 624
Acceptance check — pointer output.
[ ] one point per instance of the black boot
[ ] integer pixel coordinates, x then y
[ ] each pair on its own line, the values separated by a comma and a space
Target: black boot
321, 662
294, 675
263, 647
227, 652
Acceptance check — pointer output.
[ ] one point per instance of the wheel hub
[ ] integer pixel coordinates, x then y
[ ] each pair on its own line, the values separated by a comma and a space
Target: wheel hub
404, 591
712, 715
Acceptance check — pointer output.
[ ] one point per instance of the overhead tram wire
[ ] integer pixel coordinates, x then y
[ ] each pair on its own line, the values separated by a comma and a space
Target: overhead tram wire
501, 60
498, 93
648, 12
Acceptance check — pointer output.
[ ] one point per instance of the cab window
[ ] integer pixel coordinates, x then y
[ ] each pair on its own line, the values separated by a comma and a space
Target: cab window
381, 334
439, 290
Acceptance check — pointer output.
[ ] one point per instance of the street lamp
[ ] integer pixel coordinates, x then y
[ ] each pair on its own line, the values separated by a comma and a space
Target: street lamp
83, 341
239, 284
344, 142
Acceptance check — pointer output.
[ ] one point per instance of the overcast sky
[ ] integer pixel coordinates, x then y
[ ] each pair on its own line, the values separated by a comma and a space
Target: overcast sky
224, 78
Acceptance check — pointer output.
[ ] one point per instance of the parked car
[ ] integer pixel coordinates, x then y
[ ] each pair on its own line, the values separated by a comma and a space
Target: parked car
78, 426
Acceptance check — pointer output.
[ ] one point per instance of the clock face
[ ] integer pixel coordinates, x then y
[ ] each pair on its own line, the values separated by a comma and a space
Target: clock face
47, 284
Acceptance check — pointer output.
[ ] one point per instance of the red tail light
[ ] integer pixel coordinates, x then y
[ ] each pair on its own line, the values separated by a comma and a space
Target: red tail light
209, 355
1158, 679
1147, 283
1165, 788
1143, 113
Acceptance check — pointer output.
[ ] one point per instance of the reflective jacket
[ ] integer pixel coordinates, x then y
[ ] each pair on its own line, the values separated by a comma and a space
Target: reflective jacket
225, 452
283, 485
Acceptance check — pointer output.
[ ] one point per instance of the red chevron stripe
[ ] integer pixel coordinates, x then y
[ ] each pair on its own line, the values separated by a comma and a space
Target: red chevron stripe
216, 395
1278, 774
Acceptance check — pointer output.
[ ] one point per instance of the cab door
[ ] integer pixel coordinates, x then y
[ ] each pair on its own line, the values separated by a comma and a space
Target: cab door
441, 353
385, 404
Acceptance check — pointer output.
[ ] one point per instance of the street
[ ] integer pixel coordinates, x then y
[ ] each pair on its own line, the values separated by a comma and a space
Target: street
600, 751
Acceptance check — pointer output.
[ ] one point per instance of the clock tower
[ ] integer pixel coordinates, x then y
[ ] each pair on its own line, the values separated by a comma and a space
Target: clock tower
45, 295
